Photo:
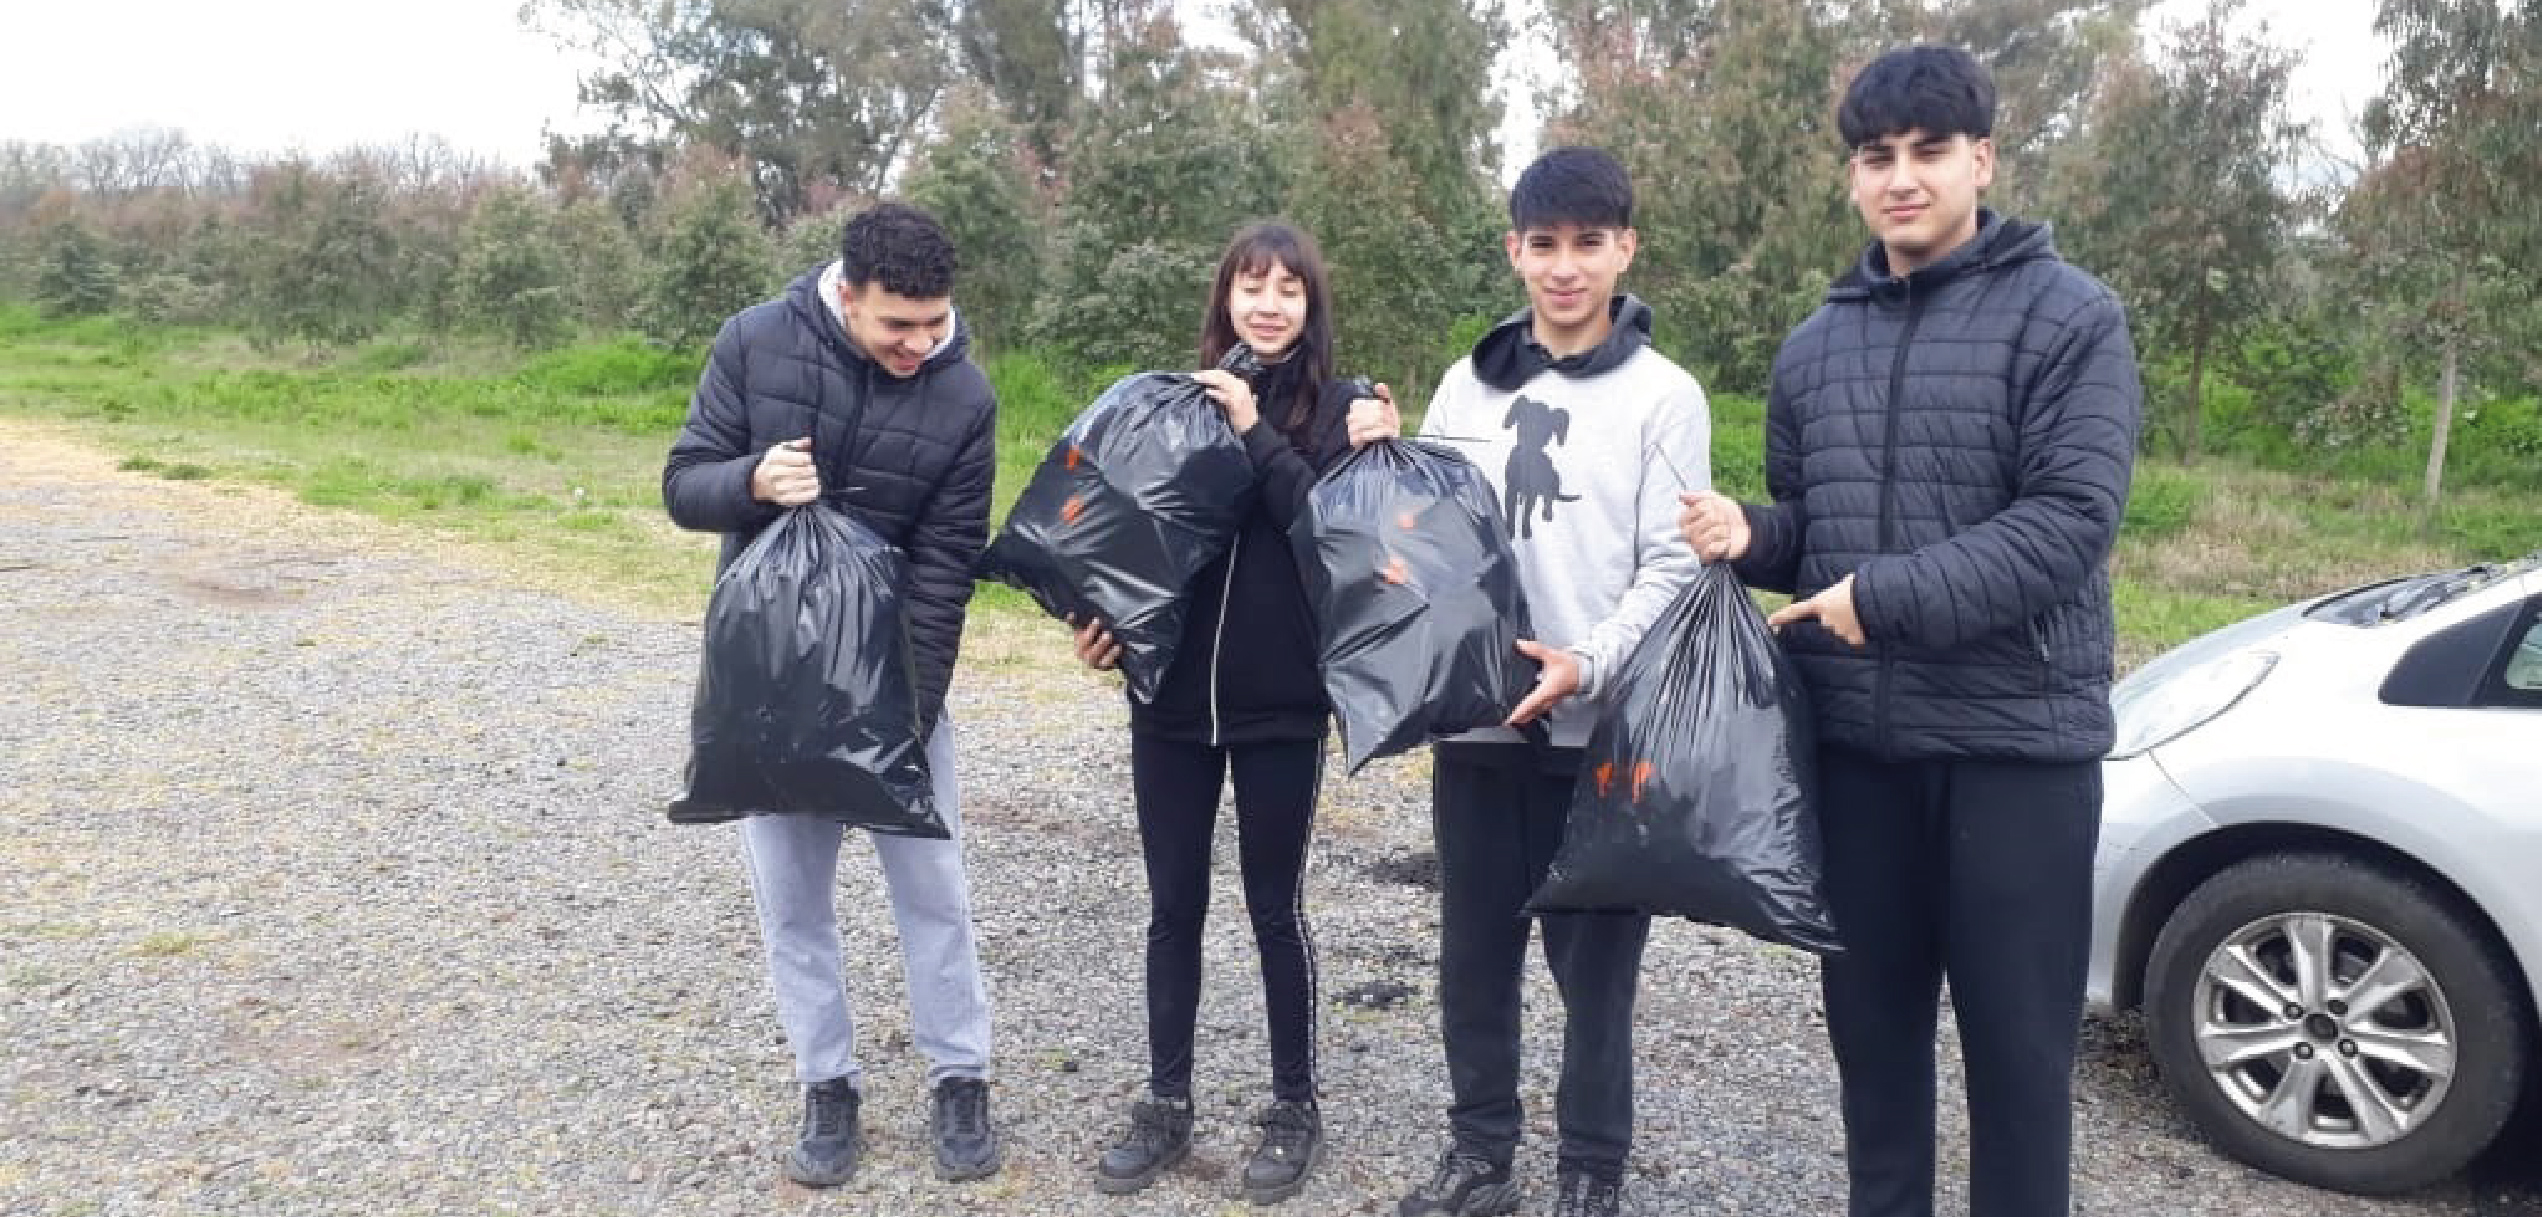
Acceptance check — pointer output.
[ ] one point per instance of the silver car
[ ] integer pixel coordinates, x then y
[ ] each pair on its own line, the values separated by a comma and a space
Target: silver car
2320, 875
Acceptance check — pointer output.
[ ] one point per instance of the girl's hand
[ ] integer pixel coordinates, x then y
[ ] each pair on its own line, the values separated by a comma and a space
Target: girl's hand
1233, 395
1374, 418
1095, 647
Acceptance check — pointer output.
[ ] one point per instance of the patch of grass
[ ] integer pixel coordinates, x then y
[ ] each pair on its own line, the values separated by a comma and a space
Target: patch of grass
1036, 401
389, 355
1738, 446
555, 460
620, 366
174, 471
166, 944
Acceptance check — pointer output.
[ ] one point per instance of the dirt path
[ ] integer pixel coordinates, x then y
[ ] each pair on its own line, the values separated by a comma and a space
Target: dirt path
333, 880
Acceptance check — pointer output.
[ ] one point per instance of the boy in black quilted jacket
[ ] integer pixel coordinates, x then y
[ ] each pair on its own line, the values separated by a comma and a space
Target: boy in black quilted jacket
1948, 445
855, 385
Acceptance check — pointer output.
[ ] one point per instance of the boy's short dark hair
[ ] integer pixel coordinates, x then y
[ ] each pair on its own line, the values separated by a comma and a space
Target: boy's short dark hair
1939, 90
901, 247
1582, 186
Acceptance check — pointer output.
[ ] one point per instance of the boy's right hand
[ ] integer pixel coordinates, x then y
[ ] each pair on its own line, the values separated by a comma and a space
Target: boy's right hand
1714, 526
1095, 647
786, 476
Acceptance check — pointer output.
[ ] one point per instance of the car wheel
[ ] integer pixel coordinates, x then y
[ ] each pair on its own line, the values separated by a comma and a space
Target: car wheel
2332, 1022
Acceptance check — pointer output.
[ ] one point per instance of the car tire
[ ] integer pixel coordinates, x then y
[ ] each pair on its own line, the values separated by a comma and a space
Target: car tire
2243, 931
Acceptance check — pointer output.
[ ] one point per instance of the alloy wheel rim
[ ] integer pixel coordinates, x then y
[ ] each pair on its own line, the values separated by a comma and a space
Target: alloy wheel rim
2324, 1030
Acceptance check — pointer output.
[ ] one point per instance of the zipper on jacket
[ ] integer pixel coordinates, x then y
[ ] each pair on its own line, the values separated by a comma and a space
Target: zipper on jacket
1218, 636
1889, 501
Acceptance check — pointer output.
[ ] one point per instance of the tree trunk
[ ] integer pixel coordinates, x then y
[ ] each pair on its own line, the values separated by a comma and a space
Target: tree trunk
2201, 334
2444, 424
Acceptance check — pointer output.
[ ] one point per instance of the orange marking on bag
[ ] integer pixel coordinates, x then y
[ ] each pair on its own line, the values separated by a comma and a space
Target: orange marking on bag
1641, 778
1395, 571
1606, 778
1071, 463
1406, 521
1070, 510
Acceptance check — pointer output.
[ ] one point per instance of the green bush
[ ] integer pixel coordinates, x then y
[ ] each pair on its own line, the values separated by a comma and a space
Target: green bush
2163, 500
511, 281
175, 298
975, 181
710, 259
75, 274
809, 240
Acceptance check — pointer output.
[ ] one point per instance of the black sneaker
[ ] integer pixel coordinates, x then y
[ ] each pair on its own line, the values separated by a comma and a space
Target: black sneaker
826, 1156
1159, 1136
1580, 1194
1292, 1143
1465, 1185
966, 1147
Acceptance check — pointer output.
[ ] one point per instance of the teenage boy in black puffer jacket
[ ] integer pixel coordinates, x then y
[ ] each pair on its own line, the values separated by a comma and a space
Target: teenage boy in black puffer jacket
855, 385
1948, 445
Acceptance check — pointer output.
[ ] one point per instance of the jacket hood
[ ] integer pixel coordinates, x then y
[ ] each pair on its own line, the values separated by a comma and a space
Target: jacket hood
2000, 242
1510, 356
813, 298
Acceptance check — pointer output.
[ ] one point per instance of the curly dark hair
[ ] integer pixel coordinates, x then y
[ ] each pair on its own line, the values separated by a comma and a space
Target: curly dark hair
901, 247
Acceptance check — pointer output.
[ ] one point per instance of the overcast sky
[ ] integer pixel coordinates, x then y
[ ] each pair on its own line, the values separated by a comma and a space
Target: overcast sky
273, 75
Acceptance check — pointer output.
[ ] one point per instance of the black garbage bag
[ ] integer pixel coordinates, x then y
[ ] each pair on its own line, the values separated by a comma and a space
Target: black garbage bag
1699, 788
1416, 597
806, 704
1144, 489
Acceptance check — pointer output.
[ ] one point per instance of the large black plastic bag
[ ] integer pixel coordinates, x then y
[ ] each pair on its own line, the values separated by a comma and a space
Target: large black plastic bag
1698, 792
1416, 597
805, 698
1144, 489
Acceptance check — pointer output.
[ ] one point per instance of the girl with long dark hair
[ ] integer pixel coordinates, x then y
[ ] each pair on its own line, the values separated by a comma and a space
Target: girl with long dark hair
1242, 702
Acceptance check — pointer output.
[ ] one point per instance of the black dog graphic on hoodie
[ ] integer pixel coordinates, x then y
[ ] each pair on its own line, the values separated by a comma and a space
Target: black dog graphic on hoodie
1531, 481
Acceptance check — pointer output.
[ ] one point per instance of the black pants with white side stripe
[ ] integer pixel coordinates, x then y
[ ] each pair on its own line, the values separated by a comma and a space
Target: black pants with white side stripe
1276, 785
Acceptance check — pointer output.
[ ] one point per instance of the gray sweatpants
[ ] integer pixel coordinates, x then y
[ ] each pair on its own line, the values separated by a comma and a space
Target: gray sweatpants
793, 864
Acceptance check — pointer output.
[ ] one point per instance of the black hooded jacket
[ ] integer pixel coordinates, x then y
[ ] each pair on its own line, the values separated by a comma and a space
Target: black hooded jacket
1509, 356
1249, 666
910, 458
1960, 441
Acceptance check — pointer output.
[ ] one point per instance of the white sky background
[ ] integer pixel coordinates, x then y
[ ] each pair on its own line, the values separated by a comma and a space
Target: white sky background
316, 75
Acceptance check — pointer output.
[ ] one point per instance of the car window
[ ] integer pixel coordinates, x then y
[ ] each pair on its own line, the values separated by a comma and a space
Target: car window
2524, 665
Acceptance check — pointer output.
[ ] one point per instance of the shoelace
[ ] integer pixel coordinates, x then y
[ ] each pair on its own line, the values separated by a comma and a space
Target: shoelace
1286, 1128
967, 1107
1582, 1196
1151, 1126
829, 1111
1452, 1169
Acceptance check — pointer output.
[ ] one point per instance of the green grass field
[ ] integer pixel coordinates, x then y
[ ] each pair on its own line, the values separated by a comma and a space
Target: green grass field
554, 460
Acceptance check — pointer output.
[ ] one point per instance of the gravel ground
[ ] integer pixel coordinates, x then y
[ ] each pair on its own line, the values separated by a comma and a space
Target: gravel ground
333, 880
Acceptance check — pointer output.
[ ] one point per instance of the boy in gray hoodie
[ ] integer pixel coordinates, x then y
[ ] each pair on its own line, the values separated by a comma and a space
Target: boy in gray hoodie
1590, 436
